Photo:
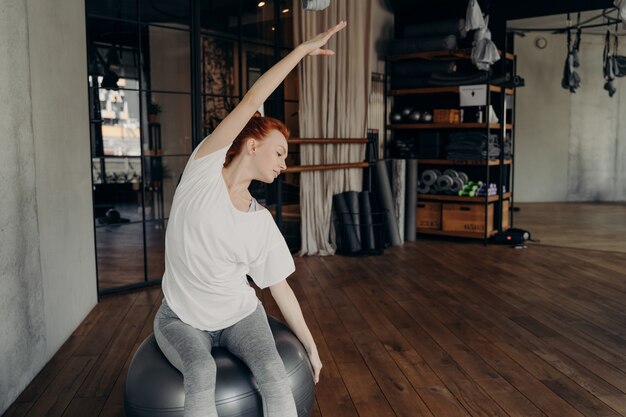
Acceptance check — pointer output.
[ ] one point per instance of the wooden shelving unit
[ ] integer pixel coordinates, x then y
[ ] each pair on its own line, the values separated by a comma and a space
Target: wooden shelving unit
449, 211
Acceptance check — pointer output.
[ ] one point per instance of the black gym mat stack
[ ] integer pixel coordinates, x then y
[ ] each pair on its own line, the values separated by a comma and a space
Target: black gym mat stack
358, 224
436, 36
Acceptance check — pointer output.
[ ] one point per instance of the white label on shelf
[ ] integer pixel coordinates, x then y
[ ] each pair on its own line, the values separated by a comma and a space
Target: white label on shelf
473, 95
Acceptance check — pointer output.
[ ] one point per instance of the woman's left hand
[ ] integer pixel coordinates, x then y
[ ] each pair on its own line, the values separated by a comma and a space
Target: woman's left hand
316, 363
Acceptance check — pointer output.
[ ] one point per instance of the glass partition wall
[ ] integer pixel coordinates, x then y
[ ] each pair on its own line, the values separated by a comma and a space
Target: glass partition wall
162, 75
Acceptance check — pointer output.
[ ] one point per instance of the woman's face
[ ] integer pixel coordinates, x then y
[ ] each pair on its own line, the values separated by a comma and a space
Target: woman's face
270, 155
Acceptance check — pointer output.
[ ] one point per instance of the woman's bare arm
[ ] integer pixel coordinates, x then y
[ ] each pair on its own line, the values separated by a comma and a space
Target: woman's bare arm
289, 306
234, 123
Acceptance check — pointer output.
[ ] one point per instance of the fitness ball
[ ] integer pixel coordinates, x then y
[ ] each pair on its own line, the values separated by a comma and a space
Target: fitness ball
155, 388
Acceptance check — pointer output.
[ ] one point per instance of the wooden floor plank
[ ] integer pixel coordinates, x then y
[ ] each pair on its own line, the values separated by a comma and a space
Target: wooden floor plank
18, 409
84, 406
114, 405
368, 399
63, 388
103, 375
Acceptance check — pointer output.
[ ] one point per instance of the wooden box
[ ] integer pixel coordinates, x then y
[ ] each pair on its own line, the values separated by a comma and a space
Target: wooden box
466, 218
447, 116
428, 216
506, 215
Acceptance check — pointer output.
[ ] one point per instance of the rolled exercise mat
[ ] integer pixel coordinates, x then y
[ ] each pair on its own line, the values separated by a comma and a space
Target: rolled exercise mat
409, 82
352, 199
451, 172
383, 193
410, 200
423, 188
457, 79
457, 185
430, 43
368, 238
421, 67
429, 177
349, 240
444, 182
440, 27
398, 188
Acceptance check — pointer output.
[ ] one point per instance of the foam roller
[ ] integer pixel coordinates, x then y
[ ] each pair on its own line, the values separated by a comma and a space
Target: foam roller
429, 177
450, 172
444, 182
457, 185
423, 188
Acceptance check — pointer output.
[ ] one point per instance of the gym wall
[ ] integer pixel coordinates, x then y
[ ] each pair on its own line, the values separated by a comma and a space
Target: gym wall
569, 147
47, 258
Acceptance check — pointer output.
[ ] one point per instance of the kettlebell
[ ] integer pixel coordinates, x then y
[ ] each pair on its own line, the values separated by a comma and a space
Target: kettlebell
395, 117
415, 116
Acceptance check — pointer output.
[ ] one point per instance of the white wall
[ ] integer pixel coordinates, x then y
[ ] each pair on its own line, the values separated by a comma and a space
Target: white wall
542, 127
47, 257
22, 344
569, 147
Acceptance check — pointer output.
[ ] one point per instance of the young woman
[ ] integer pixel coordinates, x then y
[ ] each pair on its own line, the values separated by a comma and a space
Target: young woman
216, 235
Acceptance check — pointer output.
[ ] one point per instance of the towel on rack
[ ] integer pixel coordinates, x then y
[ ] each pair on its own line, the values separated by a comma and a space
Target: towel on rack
474, 16
484, 52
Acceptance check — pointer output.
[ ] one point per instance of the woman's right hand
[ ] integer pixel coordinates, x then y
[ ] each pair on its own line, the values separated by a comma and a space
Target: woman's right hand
316, 364
314, 46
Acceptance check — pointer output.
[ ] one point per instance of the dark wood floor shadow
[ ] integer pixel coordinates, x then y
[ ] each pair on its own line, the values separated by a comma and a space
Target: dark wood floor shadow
430, 328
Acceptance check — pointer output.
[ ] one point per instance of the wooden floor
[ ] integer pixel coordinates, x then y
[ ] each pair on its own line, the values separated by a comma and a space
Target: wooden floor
428, 329
595, 226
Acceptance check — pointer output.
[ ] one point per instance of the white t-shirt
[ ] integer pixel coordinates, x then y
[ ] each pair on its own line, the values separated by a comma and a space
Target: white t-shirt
210, 246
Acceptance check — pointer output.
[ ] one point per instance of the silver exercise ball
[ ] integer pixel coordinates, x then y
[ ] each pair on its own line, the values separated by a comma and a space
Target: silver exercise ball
154, 387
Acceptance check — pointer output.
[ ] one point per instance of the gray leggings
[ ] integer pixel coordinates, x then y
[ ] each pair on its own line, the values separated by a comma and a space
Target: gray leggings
250, 339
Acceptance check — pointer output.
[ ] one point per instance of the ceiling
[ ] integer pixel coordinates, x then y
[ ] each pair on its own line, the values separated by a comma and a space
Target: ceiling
425, 10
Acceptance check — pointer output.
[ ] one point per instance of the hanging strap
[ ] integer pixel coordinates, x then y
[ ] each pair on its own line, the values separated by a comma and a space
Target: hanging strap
607, 46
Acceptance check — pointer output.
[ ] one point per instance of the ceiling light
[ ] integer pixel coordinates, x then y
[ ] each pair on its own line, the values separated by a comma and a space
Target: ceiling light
273, 28
261, 4
285, 10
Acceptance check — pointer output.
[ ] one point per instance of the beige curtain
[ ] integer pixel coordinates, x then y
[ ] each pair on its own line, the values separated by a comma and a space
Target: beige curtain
334, 97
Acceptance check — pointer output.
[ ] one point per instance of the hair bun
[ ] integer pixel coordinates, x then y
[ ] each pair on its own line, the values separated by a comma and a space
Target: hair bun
257, 114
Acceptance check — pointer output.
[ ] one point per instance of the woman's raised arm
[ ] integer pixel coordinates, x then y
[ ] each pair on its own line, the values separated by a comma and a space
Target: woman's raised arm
230, 127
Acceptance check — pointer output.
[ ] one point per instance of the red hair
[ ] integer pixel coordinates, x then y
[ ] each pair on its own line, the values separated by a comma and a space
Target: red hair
257, 128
